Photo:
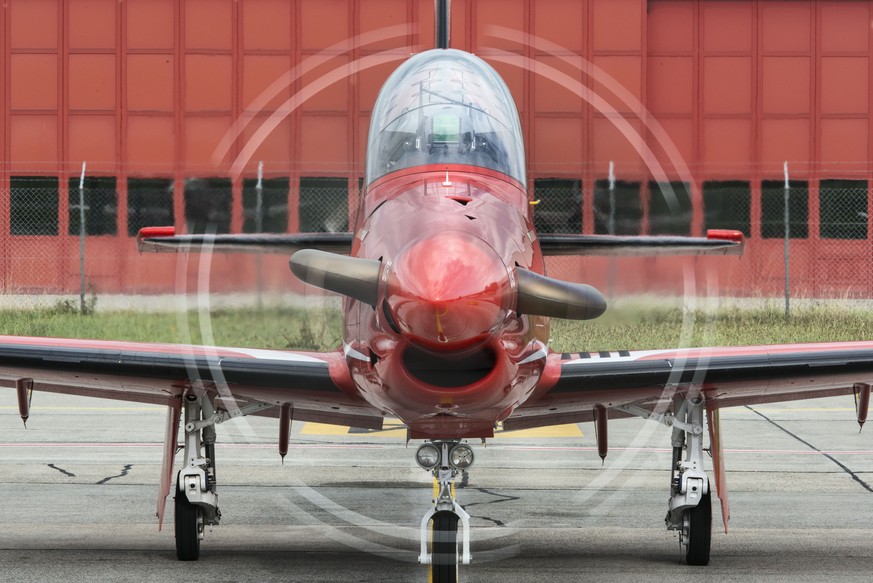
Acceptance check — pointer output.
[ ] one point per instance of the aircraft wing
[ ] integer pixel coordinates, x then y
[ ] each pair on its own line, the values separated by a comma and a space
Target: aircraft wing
643, 383
315, 384
308, 386
728, 376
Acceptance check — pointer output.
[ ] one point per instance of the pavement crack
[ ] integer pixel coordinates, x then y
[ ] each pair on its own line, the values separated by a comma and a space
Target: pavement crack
500, 498
489, 519
62, 470
839, 464
124, 471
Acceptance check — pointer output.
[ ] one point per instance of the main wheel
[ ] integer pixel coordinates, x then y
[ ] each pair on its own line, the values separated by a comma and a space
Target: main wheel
188, 520
699, 532
444, 548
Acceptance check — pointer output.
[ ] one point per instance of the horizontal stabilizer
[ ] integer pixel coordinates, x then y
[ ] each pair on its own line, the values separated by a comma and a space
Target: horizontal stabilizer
165, 240
716, 242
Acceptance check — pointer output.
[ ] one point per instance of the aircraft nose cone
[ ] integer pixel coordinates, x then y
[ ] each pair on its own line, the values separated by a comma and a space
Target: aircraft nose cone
448, 291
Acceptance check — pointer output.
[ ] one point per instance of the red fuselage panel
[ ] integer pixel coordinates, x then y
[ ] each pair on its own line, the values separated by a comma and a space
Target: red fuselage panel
443, 349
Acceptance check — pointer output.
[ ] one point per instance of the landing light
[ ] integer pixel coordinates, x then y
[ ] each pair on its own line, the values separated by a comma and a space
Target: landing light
461, 456
428, 456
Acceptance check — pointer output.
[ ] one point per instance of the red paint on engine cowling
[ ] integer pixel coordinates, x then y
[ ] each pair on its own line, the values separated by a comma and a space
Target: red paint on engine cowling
446, 243
449, 291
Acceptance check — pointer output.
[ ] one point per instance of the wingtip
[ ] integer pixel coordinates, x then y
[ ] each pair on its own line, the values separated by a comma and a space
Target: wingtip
151, 233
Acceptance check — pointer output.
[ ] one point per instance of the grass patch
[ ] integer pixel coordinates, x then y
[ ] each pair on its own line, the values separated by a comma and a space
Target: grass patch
640, 328
316, 329
631, 328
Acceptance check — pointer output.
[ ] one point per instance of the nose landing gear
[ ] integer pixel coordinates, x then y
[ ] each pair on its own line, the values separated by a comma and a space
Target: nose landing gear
445, 459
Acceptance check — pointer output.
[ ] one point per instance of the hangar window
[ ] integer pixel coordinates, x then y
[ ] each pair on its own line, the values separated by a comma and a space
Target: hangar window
843, 209
324, 205
149, 203
773, 209
669, 208
621, 213
207, 205
727, 205
273, 207
101, 205
560, 207
33, 205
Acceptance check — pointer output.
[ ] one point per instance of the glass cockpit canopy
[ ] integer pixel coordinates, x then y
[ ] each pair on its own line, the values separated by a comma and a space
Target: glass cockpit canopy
445, 106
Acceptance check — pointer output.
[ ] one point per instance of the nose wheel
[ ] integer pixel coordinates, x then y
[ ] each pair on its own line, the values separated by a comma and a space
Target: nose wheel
441, 548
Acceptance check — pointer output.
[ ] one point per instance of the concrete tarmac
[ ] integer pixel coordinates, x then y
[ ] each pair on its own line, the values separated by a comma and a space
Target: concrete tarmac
79, 486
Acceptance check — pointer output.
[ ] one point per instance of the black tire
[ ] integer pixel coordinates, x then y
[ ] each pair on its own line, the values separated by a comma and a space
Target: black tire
444, 548
700, 532
187, 532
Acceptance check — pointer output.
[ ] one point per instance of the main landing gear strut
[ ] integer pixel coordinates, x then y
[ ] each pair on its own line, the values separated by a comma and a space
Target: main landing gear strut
446, 459
690, 506
196, 497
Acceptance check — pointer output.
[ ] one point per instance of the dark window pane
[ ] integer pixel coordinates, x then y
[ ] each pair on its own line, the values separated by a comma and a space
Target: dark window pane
773, 209
669, 208
274, 205
627, 217
727, 205
843, 209
101, 205
33, 205
149, 203
207, 205
324, 205
560, 206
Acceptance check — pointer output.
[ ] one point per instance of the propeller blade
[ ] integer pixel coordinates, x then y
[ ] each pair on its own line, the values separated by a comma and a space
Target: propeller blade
351, 276
543, 296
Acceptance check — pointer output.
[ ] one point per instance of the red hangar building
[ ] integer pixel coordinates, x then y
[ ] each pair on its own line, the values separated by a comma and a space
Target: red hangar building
173, 104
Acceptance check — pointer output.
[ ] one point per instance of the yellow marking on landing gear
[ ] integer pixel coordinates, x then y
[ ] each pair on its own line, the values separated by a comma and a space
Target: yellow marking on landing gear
436, 489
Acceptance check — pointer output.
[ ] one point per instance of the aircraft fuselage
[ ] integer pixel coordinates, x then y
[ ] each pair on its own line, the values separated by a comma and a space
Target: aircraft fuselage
446, 212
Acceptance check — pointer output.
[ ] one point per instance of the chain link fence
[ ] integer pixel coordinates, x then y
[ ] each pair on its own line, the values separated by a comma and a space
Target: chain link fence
827, 250
67, 246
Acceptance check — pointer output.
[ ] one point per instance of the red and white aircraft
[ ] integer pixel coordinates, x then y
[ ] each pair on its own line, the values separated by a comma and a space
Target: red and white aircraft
447, 311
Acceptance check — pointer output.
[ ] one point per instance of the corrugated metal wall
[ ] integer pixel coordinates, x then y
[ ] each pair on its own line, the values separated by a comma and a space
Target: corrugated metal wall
670, 90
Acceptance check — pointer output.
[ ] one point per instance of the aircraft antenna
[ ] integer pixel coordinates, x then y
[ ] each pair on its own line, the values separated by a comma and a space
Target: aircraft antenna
443, 21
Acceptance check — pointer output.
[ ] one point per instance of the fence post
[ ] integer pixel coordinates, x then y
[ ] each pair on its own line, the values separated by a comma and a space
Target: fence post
82, 240
610, 225
787, 252
259, 227
611, 222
